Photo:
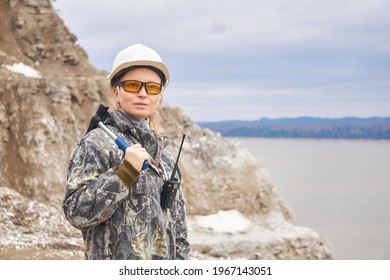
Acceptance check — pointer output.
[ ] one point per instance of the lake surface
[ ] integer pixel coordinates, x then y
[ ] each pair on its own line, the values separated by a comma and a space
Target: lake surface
340, 188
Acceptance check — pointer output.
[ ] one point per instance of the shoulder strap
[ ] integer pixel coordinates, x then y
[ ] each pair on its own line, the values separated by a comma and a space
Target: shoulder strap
100, 116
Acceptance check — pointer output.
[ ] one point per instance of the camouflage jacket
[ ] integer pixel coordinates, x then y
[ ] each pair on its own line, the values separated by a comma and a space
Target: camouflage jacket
119, 222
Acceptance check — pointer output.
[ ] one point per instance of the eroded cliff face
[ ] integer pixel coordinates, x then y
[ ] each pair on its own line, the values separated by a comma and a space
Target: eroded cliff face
48, 93
42, 113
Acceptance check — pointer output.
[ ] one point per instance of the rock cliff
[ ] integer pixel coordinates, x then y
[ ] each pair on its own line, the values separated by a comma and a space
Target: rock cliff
48, 93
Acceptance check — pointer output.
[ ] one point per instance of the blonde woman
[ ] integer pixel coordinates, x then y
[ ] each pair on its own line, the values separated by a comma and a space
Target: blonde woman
109, 197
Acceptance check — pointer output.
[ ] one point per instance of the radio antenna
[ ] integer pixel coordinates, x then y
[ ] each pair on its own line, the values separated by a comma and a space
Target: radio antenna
177, 159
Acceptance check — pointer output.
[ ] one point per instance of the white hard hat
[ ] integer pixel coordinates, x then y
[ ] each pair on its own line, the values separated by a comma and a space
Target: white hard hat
137, 55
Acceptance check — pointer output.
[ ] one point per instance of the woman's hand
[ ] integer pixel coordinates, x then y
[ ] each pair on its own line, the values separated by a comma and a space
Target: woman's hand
136, 155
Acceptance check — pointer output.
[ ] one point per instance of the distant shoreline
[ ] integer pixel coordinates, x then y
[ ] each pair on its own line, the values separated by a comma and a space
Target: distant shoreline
316, 139
350, 128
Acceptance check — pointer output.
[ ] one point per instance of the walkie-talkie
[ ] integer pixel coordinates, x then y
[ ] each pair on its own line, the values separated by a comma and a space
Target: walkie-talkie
170, 187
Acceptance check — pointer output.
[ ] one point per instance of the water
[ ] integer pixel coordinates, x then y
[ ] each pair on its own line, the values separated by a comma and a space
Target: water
340, 188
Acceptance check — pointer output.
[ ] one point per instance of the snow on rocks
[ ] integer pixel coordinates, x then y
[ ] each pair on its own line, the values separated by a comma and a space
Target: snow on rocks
23, 69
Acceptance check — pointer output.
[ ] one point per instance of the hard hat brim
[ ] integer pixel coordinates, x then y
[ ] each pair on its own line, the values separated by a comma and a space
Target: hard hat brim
158, 65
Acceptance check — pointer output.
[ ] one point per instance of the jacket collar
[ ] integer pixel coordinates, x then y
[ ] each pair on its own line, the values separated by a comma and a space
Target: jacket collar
125, 122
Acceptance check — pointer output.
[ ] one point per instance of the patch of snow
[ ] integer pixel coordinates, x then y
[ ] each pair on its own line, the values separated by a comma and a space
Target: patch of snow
23, 69
230, 221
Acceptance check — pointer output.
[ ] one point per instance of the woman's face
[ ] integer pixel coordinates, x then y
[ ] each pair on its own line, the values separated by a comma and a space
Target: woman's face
139, 105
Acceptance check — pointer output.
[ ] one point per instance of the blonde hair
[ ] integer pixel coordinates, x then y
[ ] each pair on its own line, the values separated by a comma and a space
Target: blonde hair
155, 121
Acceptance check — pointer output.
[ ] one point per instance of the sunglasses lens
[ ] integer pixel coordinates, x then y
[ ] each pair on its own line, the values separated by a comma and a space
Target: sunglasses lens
135, 87
132, 86
153, 88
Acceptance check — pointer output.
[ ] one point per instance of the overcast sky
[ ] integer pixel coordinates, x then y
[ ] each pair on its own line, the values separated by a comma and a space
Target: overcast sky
249, 59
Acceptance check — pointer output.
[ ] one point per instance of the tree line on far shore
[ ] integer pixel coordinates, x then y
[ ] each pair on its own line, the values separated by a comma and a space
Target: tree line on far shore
305, 127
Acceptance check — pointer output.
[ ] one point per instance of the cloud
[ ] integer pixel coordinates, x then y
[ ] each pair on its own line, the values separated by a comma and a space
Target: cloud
216, 101
252, 58
221, 26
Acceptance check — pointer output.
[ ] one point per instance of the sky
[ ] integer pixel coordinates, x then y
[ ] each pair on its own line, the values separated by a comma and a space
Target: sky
244, 60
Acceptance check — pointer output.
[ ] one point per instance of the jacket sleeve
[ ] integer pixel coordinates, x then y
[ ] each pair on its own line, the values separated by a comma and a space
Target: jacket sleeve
93, 192
182, 244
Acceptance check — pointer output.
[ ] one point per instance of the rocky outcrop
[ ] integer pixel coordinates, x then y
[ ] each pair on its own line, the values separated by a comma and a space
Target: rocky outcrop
30, 229
46, 98
48, 93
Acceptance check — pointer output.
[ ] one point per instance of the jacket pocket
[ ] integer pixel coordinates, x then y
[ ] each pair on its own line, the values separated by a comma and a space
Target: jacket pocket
139, 196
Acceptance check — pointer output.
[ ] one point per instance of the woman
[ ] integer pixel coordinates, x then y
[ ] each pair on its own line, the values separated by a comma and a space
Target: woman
109, 197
